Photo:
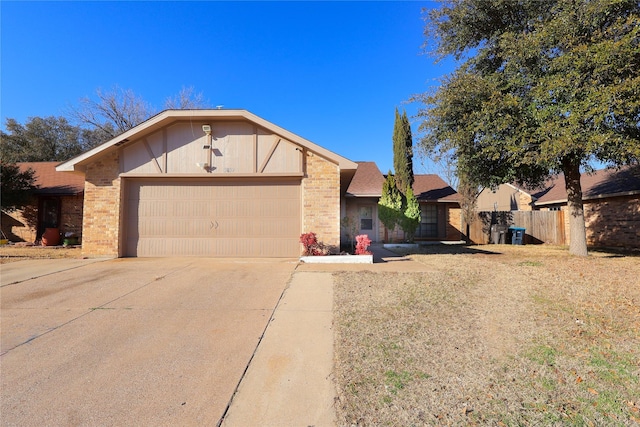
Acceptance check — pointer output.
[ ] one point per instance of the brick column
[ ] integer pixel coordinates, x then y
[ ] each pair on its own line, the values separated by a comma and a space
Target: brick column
321, 200
102, 208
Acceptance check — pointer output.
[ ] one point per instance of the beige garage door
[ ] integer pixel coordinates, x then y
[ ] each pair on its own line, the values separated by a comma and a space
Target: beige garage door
200, 218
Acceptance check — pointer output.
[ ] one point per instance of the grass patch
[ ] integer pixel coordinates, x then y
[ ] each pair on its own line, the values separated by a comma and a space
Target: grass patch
502, 343
12, 253
543, 355
530, 264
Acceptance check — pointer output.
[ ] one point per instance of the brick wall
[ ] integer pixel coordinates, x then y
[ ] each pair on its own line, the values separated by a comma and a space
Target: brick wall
21, 225
454, 223
613, 222
71, 214
102, 208
321, 200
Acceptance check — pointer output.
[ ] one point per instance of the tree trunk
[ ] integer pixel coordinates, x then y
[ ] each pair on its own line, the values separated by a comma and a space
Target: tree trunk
577, 229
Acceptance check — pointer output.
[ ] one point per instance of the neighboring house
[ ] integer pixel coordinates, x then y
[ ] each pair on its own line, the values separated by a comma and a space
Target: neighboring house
57, 204
439, 206
611, 199
209, 183
505, 197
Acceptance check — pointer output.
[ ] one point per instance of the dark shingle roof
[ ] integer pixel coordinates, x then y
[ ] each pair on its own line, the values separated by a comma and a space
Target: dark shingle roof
433, 188
601, 183
368, 180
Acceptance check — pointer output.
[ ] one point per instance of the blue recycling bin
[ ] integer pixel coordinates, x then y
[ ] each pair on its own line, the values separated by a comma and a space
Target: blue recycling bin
517, 235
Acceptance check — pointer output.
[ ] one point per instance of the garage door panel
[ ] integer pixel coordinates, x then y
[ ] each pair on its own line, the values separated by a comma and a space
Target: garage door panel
205, 219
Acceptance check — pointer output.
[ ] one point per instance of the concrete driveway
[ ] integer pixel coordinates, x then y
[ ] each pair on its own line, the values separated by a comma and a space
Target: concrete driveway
134, 341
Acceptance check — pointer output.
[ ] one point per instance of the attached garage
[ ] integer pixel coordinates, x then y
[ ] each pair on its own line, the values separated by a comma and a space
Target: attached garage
204, 218
209, 183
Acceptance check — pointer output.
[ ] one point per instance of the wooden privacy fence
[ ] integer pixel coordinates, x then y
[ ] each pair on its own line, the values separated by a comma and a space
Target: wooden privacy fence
540, 226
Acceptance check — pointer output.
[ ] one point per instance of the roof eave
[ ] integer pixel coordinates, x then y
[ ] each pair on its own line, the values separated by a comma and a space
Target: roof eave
361, 195
595, 197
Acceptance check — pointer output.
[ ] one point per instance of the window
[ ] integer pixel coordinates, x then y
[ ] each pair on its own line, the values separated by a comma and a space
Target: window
366, 218
428, 221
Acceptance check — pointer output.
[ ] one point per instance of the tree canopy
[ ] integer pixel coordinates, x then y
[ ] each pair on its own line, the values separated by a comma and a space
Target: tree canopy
48, 139
117, 110
44, 139
16, 187
544, 87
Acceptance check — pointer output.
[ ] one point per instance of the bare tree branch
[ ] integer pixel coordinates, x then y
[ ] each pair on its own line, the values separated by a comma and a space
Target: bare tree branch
186, 99
115, 111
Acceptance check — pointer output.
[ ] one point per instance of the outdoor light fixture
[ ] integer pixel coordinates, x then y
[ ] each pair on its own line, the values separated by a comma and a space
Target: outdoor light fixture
207, 147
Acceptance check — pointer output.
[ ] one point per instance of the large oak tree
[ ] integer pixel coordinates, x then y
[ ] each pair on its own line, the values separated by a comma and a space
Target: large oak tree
45, 139
544, 87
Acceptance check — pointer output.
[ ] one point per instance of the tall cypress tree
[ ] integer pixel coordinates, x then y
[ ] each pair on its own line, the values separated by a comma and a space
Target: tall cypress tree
390, 205
402, 152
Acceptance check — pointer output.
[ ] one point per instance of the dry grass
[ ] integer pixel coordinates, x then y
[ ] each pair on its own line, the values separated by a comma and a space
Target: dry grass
12, 253
513, 336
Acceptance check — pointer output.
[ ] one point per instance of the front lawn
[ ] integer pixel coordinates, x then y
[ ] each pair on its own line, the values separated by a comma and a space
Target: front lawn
492, 335
12, 253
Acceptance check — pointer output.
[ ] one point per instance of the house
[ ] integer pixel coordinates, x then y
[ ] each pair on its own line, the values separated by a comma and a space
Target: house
611, 200
439, 205
209, 183
57, 203
505, 197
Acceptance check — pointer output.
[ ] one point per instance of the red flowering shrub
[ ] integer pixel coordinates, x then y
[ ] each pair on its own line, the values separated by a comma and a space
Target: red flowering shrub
311, 245
363, 243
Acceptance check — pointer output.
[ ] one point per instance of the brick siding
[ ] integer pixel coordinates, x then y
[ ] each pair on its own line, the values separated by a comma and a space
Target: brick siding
21, 225
102, 210
454, 223
321, 200
613, 222
71, 214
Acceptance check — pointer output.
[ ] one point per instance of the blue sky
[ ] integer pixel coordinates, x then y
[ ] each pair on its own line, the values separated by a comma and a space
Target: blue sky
332, 72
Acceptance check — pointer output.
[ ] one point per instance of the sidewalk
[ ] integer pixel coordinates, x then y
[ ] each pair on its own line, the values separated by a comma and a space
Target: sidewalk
289, 381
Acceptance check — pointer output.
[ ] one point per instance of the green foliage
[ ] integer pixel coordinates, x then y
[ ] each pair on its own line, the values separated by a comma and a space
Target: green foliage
16, 187
551, 85
350, 225
402, 151
44, 139
410, 219
390, 204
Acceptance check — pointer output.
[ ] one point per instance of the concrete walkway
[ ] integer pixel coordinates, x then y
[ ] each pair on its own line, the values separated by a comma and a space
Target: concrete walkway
289, 381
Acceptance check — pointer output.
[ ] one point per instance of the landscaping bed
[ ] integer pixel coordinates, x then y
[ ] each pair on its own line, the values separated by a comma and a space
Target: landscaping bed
493, 335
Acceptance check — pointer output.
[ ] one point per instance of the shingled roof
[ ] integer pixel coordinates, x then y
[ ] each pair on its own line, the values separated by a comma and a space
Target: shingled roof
599, 184
53, 183
432, 188
368, 180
